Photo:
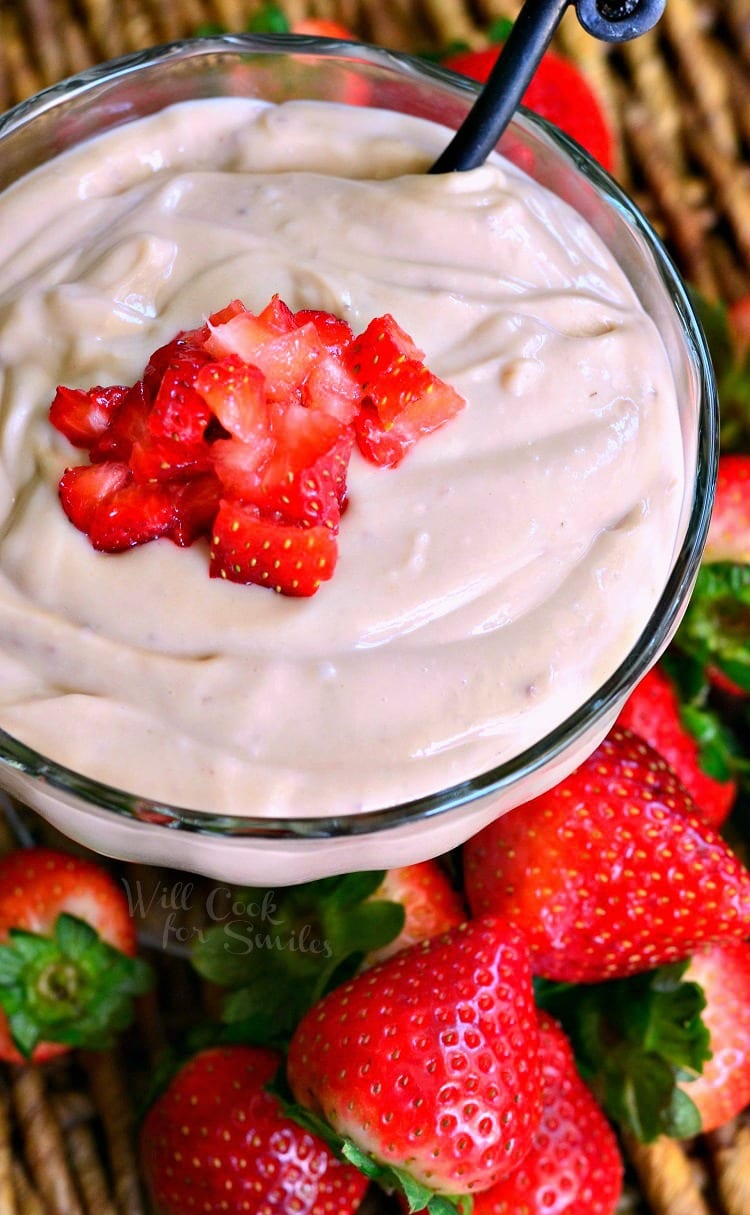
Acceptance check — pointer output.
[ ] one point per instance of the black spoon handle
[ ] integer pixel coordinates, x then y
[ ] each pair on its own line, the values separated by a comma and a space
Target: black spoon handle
610, 20
499, 99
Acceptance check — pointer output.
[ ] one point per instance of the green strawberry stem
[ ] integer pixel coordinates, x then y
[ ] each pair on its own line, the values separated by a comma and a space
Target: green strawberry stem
72, 988
715, 630
393, 1180
289, 948
634, 1039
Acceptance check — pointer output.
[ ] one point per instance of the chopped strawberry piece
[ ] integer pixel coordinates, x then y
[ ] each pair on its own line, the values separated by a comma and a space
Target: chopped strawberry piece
414, 403
249, 548
132, 515
332, 389
403, 400
225, 314
236, 394
178, 412
377, 444
375, 351
305, 479
238, 466
277, 316
85, 488
128, 425
195, 504
333, 332
169, 459
83, 415
184, 355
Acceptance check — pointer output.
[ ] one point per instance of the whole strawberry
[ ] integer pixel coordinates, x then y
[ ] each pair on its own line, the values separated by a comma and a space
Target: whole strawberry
574, 1166
428, 1063
722, 1090
67, 971
729, 533
216, 1141
653, 712
611, 872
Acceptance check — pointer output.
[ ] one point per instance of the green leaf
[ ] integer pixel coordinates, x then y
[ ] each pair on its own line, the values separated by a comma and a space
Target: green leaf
75, 937
682, 1119
500, 29
269, 19
291, 946
635, 1040
364, 928
715, 630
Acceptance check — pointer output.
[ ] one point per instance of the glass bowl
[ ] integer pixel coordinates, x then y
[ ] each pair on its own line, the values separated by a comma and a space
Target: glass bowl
261, 850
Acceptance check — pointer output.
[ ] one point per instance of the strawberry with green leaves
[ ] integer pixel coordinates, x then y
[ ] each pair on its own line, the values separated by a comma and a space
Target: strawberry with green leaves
217, 1142
68, 974
610, 872
427, 1065
653, 712
722, 1090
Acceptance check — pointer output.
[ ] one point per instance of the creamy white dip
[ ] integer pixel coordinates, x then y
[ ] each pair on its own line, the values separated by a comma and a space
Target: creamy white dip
485, 587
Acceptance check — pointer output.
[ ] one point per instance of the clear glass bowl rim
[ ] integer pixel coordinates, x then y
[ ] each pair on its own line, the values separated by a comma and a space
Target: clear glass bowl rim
98, 796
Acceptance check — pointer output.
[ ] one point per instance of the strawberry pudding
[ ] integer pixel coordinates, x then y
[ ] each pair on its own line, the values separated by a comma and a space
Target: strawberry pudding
486, 587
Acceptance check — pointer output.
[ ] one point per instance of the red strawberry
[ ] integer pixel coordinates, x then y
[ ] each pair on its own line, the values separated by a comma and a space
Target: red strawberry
403, 400
215, 1141
84, 489
133, 514
611, 872
72, 981
653, 712
558, 92
729, 533
82, 415
430, 902
574, 1165
333, 332
305, 479
428, 1063
723, 1088
235, 391
292, 559
319, 27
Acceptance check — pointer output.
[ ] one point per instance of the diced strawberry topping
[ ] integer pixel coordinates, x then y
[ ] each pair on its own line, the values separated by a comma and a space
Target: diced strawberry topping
333, 332
305, 479
236, 393
242, 430
248, 547
84, 489
83, 416
128, 425
402, 399
133, 514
